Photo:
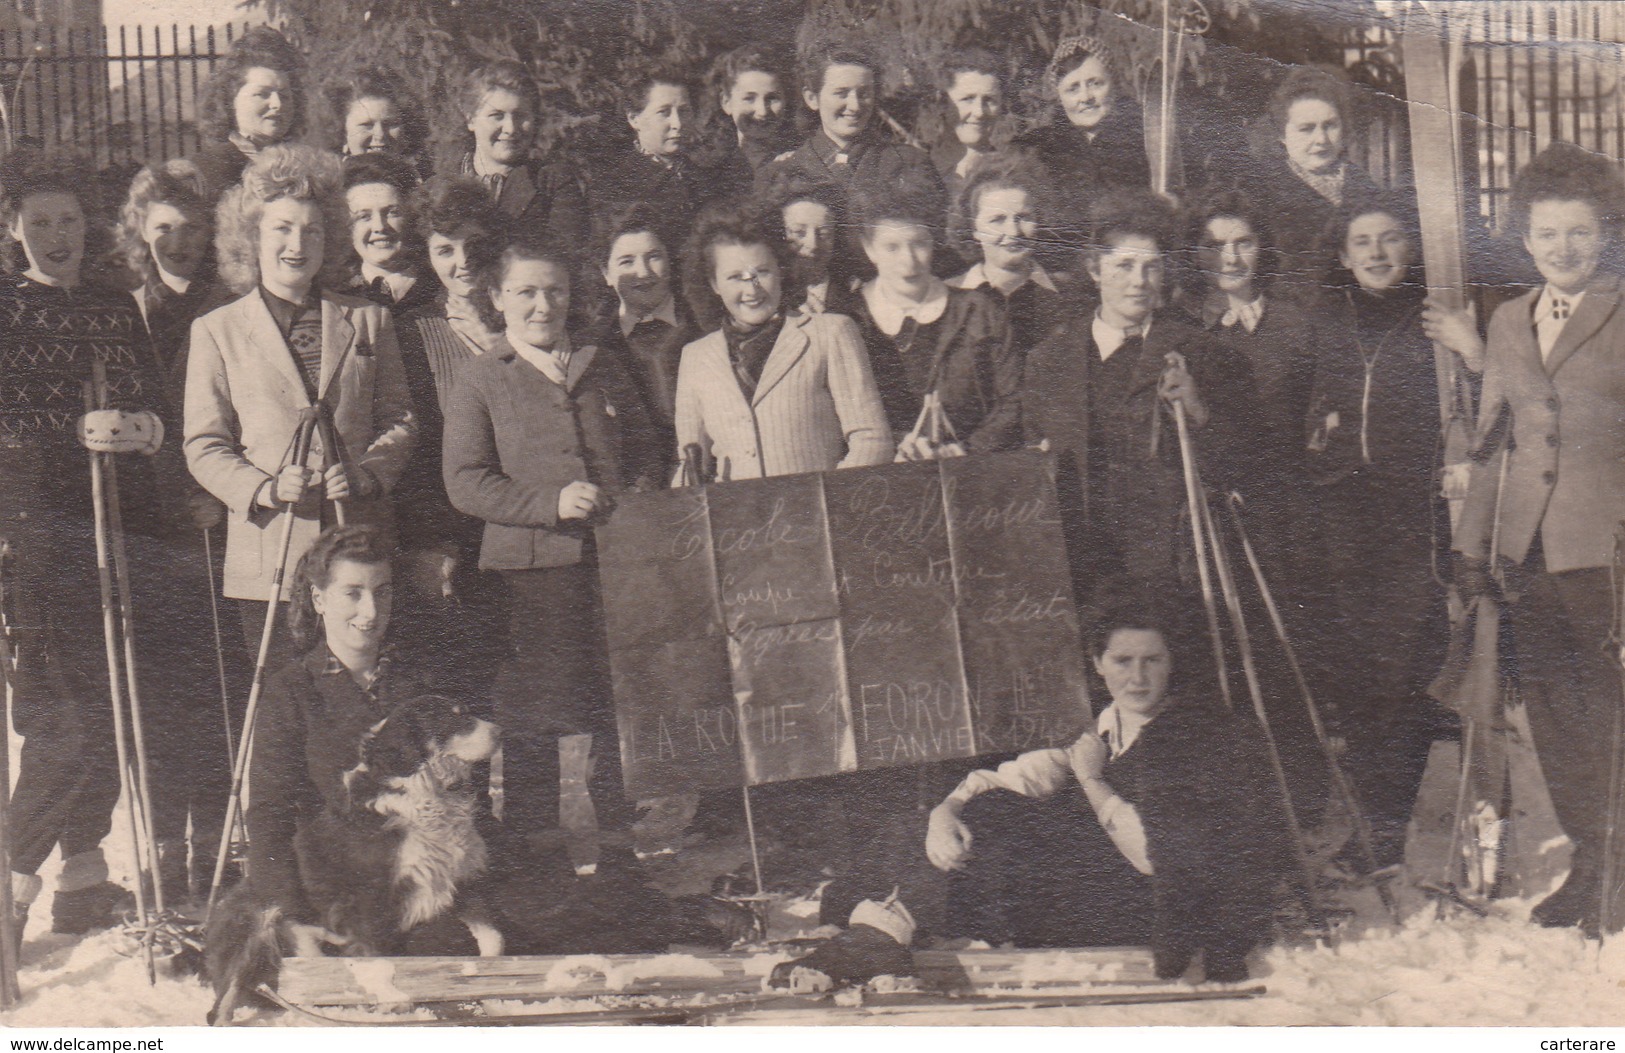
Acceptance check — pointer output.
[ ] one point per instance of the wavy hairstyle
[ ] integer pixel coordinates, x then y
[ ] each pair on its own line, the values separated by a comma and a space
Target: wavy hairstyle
1133, 213
1232, 204
375, 82
175, 182
819, 58
720, 226
1003, 171
1566, 172
287, 170
260, 46
751, 58
446, 204
29, 170
368, 545
488, 279
1313, 82
506, 74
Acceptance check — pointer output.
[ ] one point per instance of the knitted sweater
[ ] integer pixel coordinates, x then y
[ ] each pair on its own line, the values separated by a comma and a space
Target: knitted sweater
49, 339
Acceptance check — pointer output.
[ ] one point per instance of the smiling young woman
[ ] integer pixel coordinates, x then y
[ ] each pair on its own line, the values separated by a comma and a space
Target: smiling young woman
253, 100
60, 325
500, 104
286, 343
535, 431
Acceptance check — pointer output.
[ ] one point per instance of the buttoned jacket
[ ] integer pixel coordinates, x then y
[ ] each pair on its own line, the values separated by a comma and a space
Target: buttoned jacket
1566, 417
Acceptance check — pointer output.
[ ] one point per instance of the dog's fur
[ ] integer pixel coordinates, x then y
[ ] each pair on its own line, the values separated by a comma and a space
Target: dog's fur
402, 854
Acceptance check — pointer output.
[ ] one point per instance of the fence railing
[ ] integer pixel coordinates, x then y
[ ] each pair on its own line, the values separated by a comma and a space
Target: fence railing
122, 94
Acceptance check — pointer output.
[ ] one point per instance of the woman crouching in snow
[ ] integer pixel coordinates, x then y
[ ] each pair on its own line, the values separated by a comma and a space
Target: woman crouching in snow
1161, 826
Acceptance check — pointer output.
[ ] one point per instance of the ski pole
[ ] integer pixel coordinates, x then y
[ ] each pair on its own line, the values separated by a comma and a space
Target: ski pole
303, 435
1341, 783
126, 611
219, 648
1193, 498
9, 991
104, 576
1238, 624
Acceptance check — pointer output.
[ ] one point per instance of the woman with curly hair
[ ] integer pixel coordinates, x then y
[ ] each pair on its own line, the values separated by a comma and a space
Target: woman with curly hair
284, 345
1306, 176
374, 111
164, 232
973, 110
770, 392
500, 103
1554, 408
1096, 144
57, 327
252, 100
942, 357
1000, 220
750, 89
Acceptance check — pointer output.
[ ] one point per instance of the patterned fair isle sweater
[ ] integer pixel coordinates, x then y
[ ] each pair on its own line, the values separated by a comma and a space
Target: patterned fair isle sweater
49, 337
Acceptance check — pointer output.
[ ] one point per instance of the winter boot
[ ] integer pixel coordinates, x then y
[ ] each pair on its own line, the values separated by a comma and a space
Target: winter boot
875, 944
85, 899
1577, 901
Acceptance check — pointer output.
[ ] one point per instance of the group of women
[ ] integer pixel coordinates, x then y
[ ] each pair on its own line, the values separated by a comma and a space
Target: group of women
474, 401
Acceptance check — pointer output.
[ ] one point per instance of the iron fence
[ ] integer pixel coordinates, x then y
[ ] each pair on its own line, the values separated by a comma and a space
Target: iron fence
125, 95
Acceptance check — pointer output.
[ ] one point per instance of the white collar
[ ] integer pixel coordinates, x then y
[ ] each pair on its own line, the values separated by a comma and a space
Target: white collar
399, 283
1119, 728
1248, 315
666, 312
175, 282
977, 277
1548, 300
1108, 338
889, 312
553, 364
817, 297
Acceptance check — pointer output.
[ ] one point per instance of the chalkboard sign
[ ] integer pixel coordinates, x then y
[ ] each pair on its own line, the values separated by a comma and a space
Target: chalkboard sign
806, 625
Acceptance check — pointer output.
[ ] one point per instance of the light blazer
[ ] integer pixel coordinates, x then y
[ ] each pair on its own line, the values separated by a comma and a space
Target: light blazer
1566, 476
243, 397
816, 406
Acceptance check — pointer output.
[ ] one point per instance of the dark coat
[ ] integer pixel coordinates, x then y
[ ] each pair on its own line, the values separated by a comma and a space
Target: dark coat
1281, 354
966, 356
875, 166
545, 198
1217, 838
221, 164
514, 440
1299, 221
1380, 525
1083, 169
650, 361
312, 719
1121, 502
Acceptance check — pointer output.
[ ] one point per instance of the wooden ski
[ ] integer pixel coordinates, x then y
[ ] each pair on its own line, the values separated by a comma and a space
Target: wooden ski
419, 980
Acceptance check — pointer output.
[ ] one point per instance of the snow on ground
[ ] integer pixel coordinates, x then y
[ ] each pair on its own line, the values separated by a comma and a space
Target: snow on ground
1457, 970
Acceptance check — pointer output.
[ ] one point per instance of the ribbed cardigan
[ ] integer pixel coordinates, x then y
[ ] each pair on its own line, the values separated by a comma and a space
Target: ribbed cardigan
815, 407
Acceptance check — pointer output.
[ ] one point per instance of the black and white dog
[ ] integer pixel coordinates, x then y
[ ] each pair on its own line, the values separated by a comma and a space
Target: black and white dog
402, 857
